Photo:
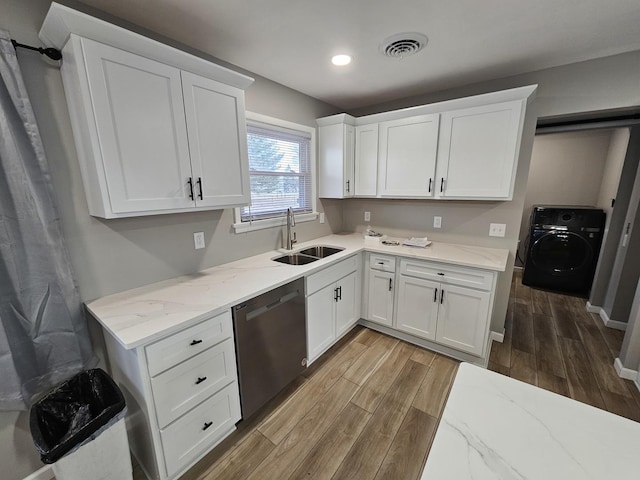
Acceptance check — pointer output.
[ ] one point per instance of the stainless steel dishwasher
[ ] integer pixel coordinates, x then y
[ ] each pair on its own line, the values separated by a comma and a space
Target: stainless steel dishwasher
271, 343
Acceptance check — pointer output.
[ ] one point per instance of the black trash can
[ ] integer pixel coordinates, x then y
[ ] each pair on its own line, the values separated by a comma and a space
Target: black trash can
79, 428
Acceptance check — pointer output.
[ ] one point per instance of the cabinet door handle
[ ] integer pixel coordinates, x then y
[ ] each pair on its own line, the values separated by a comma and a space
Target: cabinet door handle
435, 295
207, 425
390, 284
441, 296
190, 182
441, 184
200, 380
335, 294
200, 187
348, 185
429, 184
340, 292
195, 342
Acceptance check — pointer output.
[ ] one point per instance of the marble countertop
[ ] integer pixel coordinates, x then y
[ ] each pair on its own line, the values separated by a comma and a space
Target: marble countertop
141, 315
495, 427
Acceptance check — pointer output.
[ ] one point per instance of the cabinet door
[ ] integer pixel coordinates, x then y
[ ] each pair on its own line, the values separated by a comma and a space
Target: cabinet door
139, 114
478, 151
335, 166
217, 135
346, 307
381, 297
417, 310
408, 150
366, 160
321, 330
463, 319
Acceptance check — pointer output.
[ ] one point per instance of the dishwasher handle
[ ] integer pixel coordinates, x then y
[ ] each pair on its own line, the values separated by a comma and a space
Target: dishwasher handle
265, 308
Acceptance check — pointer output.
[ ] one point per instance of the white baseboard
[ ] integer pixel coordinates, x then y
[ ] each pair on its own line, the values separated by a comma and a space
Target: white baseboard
496, 337
625, 373
605, 318
45, 473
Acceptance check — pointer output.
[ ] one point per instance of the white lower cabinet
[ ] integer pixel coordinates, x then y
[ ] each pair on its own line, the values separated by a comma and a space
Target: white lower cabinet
182, 395
333, 305
381, 297
444, 304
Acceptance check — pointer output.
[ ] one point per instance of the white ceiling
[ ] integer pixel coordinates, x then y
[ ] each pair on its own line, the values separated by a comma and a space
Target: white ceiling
292, 41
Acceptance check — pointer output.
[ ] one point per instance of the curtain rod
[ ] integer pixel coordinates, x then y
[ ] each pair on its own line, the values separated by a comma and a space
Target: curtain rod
52, 53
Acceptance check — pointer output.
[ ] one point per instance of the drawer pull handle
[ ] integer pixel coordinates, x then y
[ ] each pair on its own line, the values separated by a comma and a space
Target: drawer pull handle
207, 425
195, 342
441, 274
435, 295
380, 263
200, 380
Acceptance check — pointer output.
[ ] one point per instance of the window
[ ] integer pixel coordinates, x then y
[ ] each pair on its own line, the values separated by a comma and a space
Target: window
281, 165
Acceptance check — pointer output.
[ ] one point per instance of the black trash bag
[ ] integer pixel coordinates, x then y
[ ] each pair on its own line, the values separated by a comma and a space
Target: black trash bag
72, 412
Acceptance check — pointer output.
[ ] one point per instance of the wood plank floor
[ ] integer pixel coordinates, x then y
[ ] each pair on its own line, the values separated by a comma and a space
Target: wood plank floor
368, 409
552, 341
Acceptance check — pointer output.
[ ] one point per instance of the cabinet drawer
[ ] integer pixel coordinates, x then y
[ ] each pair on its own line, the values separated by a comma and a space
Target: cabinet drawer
382, 262
179, 389
331, 274
177, 348
198, 430
466, 277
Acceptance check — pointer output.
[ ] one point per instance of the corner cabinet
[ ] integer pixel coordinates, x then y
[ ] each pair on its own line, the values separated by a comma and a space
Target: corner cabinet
153, 138
336, 151
182, 395
478, 151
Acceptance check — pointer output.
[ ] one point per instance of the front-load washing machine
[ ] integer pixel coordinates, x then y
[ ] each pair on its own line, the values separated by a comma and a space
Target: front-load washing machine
563, 248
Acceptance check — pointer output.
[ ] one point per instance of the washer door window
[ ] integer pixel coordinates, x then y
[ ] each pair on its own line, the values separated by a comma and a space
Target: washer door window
561, 253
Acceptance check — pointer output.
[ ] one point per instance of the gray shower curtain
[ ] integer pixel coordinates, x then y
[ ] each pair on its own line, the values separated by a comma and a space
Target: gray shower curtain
43, 333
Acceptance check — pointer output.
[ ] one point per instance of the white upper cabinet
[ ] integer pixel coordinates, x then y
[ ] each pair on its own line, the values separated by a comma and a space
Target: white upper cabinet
478, 151
366, 160
407, 156
157, 130
217, 142
466, 149
335, 166
141, 134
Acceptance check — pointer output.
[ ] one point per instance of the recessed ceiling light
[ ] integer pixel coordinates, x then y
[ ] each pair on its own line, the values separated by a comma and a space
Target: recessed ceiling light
341, 60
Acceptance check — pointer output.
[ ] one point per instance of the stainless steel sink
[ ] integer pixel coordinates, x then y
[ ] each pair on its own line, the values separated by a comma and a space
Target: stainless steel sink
295, 259
307, 255
320, 251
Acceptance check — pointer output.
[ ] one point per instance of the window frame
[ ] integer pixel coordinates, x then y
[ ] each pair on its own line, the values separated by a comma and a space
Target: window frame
239, 226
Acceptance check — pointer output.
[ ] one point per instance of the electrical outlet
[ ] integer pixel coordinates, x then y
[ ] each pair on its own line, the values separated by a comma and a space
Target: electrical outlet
321, 217
497, 229
198, 240
437, 222
367, 216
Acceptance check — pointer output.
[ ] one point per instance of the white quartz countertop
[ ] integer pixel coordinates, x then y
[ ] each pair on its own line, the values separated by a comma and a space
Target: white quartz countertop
495, 427
141, 315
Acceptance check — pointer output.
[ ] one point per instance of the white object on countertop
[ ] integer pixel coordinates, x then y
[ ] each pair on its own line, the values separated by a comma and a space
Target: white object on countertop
417, 242
496, 427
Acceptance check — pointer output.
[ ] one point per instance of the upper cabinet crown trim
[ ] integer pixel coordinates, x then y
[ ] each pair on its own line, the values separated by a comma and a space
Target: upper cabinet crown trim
520, 93
62, 21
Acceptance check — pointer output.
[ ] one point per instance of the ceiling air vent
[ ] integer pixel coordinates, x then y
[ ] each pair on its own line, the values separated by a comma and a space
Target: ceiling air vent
403, 45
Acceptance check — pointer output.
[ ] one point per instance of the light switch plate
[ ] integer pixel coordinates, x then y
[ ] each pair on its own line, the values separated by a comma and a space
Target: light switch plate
367, 216
198, 240
437, 222
497, 229
321, 217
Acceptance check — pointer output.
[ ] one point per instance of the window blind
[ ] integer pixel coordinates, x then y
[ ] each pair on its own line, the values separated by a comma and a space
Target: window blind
279, 172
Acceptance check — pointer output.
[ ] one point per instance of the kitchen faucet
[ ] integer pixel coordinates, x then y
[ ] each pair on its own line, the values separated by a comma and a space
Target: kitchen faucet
291, 222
